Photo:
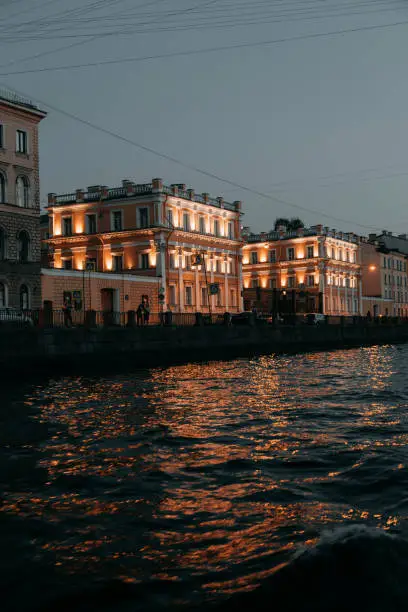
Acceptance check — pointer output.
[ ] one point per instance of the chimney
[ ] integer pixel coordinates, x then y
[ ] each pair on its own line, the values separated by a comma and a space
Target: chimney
157, 185
52, 198
79, 195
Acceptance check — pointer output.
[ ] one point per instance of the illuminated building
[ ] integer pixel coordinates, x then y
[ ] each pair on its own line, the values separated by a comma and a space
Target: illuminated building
384, 275
111, 246
308, 270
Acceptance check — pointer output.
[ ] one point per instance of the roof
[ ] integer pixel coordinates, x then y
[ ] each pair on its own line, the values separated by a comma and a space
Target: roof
16, 100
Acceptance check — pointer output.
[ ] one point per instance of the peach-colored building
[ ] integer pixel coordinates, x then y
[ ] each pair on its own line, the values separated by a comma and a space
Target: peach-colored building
384, 276
319, 268
108, 247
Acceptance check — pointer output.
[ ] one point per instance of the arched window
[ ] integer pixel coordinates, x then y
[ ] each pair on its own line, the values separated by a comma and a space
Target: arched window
3, 190
3, 245
24, 297
22, 192
3, 298
23, 246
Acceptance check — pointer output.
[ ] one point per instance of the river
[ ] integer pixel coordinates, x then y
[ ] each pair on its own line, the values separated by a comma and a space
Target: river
167, 489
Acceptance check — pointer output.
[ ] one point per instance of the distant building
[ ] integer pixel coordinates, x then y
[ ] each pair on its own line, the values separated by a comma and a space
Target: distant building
387, 240
384, 275
308, 270
109, 247
20, 285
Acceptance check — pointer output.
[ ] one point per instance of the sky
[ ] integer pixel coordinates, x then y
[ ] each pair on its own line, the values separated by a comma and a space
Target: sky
313, 124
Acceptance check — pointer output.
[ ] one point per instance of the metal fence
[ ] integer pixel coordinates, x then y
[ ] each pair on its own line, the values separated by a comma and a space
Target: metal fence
45, 318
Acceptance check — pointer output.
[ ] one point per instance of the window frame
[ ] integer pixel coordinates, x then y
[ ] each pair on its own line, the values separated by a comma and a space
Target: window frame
22, 142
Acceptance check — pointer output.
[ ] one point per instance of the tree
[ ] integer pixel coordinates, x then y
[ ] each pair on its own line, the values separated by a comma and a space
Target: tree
290, 224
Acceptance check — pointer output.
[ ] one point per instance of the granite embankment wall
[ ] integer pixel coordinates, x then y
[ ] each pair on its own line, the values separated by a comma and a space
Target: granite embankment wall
27, 351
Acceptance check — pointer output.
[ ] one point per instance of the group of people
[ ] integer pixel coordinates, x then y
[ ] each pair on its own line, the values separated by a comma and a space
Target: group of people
143, 312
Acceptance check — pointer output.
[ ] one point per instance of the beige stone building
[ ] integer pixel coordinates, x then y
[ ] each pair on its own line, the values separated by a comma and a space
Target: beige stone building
20, 285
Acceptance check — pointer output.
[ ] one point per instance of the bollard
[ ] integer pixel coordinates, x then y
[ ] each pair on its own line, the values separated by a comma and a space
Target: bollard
131, 318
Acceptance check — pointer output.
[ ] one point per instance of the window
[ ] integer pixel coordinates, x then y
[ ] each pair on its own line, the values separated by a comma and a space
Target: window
201, 225
21, 142
230, 230
117, 263
385, 279
291, 253
218, 265
117, 225
333, 253
341, 254
204, 296
3, 300
309, 252
233, 297
91, 224
219, 297
2, 244
67, 226
389, 263
385, 262
347, 255
216, 227
1, 136
188, 262
272, 256
310, 280
3, 190
67, 263
143, 217
186, 222
291, 282
254, 257
23, 246
145, 261
272, 283
255, 284
172, 261
22, 192
189, 296
170, 217
172, 295
24, 301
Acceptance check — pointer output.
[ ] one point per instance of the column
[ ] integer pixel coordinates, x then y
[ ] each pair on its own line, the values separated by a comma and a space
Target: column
180, 276
226, 298
197, 287
240, 285
360, 296
160, 246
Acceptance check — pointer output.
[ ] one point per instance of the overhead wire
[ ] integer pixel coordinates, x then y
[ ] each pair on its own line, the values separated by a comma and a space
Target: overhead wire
188, 165
189, 52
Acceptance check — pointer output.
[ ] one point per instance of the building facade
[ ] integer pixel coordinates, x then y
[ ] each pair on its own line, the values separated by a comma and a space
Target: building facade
20, 284
112, 246
384, 278
308, 270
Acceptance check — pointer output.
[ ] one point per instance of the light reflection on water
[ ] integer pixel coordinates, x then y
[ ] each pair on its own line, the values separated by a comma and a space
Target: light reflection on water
210, 475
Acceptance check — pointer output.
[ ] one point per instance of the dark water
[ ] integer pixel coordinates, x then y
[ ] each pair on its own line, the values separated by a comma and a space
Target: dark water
189, 486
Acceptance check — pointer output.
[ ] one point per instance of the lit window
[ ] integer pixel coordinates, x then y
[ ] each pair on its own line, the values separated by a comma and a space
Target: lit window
309, 252
291, 253
254, 257
272, 256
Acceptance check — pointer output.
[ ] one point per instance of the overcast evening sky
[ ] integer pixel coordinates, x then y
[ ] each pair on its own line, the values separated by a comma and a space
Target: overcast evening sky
320, 122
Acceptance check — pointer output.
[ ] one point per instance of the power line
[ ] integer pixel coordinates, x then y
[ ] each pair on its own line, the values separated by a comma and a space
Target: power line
188, 165
211, 49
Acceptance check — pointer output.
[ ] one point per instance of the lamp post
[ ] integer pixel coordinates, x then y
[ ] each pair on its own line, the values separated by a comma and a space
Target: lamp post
200, 261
